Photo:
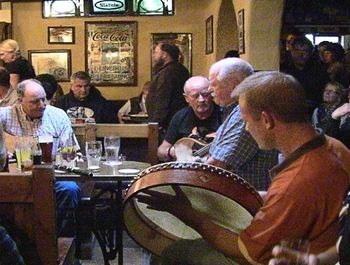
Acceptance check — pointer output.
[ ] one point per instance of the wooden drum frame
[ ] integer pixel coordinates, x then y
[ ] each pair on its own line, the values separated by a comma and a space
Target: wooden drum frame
228, 199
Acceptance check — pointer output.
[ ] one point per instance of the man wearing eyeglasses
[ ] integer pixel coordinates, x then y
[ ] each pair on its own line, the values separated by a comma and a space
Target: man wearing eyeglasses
200, 117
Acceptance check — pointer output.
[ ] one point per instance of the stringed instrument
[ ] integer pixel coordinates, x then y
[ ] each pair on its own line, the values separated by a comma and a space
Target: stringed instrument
189, 149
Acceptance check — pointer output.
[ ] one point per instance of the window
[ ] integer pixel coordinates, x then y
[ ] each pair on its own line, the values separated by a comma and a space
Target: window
63, 8
153, 7
76, 8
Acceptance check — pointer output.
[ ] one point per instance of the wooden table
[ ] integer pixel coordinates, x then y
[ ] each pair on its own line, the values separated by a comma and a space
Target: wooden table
110, 245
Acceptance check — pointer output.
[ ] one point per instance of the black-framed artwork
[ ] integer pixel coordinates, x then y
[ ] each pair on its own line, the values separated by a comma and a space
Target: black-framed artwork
241, 33
209, 35
55, 62
181, 40
61, 35
111, 52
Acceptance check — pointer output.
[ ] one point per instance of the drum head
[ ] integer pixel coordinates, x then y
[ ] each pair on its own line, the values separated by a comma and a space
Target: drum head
229, 201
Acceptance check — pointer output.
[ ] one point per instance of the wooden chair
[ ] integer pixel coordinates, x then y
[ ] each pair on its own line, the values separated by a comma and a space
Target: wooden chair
89, 132
28, 201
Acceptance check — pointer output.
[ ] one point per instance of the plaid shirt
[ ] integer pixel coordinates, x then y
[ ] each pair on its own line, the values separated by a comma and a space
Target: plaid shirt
54, 122
9, 254
234, 146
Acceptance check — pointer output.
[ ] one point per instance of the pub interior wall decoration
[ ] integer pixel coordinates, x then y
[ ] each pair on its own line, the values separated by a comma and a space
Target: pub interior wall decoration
182, 40
54, 62
111, 52
209, 35
241, 31
61, 35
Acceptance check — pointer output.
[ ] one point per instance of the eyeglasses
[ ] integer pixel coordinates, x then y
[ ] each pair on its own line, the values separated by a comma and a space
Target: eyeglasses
205, 94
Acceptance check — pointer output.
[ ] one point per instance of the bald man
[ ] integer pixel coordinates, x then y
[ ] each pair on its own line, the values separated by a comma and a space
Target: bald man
201, 115
32, 117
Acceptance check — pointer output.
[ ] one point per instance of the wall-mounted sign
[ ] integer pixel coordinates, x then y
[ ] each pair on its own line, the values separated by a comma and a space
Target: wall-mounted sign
111, 52
97, 7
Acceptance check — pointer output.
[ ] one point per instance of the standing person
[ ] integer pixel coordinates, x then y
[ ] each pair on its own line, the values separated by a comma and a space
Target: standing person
322, 116
333, 57
85, 95
8, 95
233, 147
201, 115
299, 203
165, 94
310, 73
19, 68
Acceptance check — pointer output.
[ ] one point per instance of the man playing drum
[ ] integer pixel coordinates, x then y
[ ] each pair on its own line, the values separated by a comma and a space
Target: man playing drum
299, 204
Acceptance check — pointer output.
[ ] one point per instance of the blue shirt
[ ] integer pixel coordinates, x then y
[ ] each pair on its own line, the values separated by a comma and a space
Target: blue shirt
235, 147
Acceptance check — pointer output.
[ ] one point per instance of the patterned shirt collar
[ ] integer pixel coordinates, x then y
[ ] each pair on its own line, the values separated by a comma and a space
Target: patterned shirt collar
316, 142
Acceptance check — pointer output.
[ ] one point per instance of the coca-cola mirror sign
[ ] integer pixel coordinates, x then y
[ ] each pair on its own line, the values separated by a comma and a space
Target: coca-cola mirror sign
111, 52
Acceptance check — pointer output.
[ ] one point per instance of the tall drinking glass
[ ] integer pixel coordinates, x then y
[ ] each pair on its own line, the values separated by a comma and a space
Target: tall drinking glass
112, 146
23, 149
68, 152
93, 154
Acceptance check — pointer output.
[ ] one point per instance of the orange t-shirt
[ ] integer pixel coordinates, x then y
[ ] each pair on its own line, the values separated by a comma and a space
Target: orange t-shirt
303, 201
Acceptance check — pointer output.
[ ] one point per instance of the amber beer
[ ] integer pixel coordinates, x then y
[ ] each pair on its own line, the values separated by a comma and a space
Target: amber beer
45, 142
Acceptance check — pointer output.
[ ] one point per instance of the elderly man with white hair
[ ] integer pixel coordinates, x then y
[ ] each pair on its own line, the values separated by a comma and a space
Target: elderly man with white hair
233, 147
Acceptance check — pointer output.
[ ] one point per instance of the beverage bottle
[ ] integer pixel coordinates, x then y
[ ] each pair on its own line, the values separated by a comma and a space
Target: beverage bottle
37, 153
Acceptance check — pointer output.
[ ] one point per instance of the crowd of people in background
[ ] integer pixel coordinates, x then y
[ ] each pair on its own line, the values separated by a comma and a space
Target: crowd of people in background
324, 72
252, 115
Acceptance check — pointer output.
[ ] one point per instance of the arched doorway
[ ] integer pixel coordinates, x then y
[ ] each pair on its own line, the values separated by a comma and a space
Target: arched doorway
227, 32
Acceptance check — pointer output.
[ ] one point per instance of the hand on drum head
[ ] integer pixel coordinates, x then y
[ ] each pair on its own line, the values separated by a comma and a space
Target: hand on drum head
174, 204
287, 256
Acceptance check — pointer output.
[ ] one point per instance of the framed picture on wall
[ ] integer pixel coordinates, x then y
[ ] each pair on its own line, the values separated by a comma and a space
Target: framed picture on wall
181, 40
209, 35
55, 62
61, 35
110, 50
241, 44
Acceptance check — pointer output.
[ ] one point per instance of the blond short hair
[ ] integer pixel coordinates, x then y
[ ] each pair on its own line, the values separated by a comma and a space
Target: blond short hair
10, 45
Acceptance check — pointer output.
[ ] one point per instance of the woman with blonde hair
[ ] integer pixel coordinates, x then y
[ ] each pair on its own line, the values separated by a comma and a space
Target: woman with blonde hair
18, 67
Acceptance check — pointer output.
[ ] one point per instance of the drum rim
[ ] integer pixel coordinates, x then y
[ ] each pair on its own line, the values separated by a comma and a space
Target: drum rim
153, 175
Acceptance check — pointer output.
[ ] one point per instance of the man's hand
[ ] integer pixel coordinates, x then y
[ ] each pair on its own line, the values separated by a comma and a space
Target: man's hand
173, 204
287, 256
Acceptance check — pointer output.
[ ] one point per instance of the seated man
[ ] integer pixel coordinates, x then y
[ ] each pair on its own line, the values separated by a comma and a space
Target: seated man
86, 96
201, 114
233, 147
8, 95
135, 105
31, 117
299, 203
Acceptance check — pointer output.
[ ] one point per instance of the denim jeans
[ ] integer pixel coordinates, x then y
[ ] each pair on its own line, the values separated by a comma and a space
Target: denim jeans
67, 198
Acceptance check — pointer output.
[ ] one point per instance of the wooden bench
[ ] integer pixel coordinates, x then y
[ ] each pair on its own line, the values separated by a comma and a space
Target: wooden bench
28, 201
89, 132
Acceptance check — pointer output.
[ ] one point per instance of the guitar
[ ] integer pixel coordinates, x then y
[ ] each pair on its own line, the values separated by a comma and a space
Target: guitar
189, 150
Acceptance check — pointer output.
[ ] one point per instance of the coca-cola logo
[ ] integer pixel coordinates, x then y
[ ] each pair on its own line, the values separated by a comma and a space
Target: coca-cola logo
117, 36
109, 4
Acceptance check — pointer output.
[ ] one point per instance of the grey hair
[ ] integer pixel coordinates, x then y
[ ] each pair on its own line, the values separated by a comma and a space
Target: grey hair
192, 79
80, 75
232, 70
21, 87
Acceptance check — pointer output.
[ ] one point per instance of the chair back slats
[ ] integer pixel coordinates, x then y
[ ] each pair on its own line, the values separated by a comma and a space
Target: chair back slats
147, 131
